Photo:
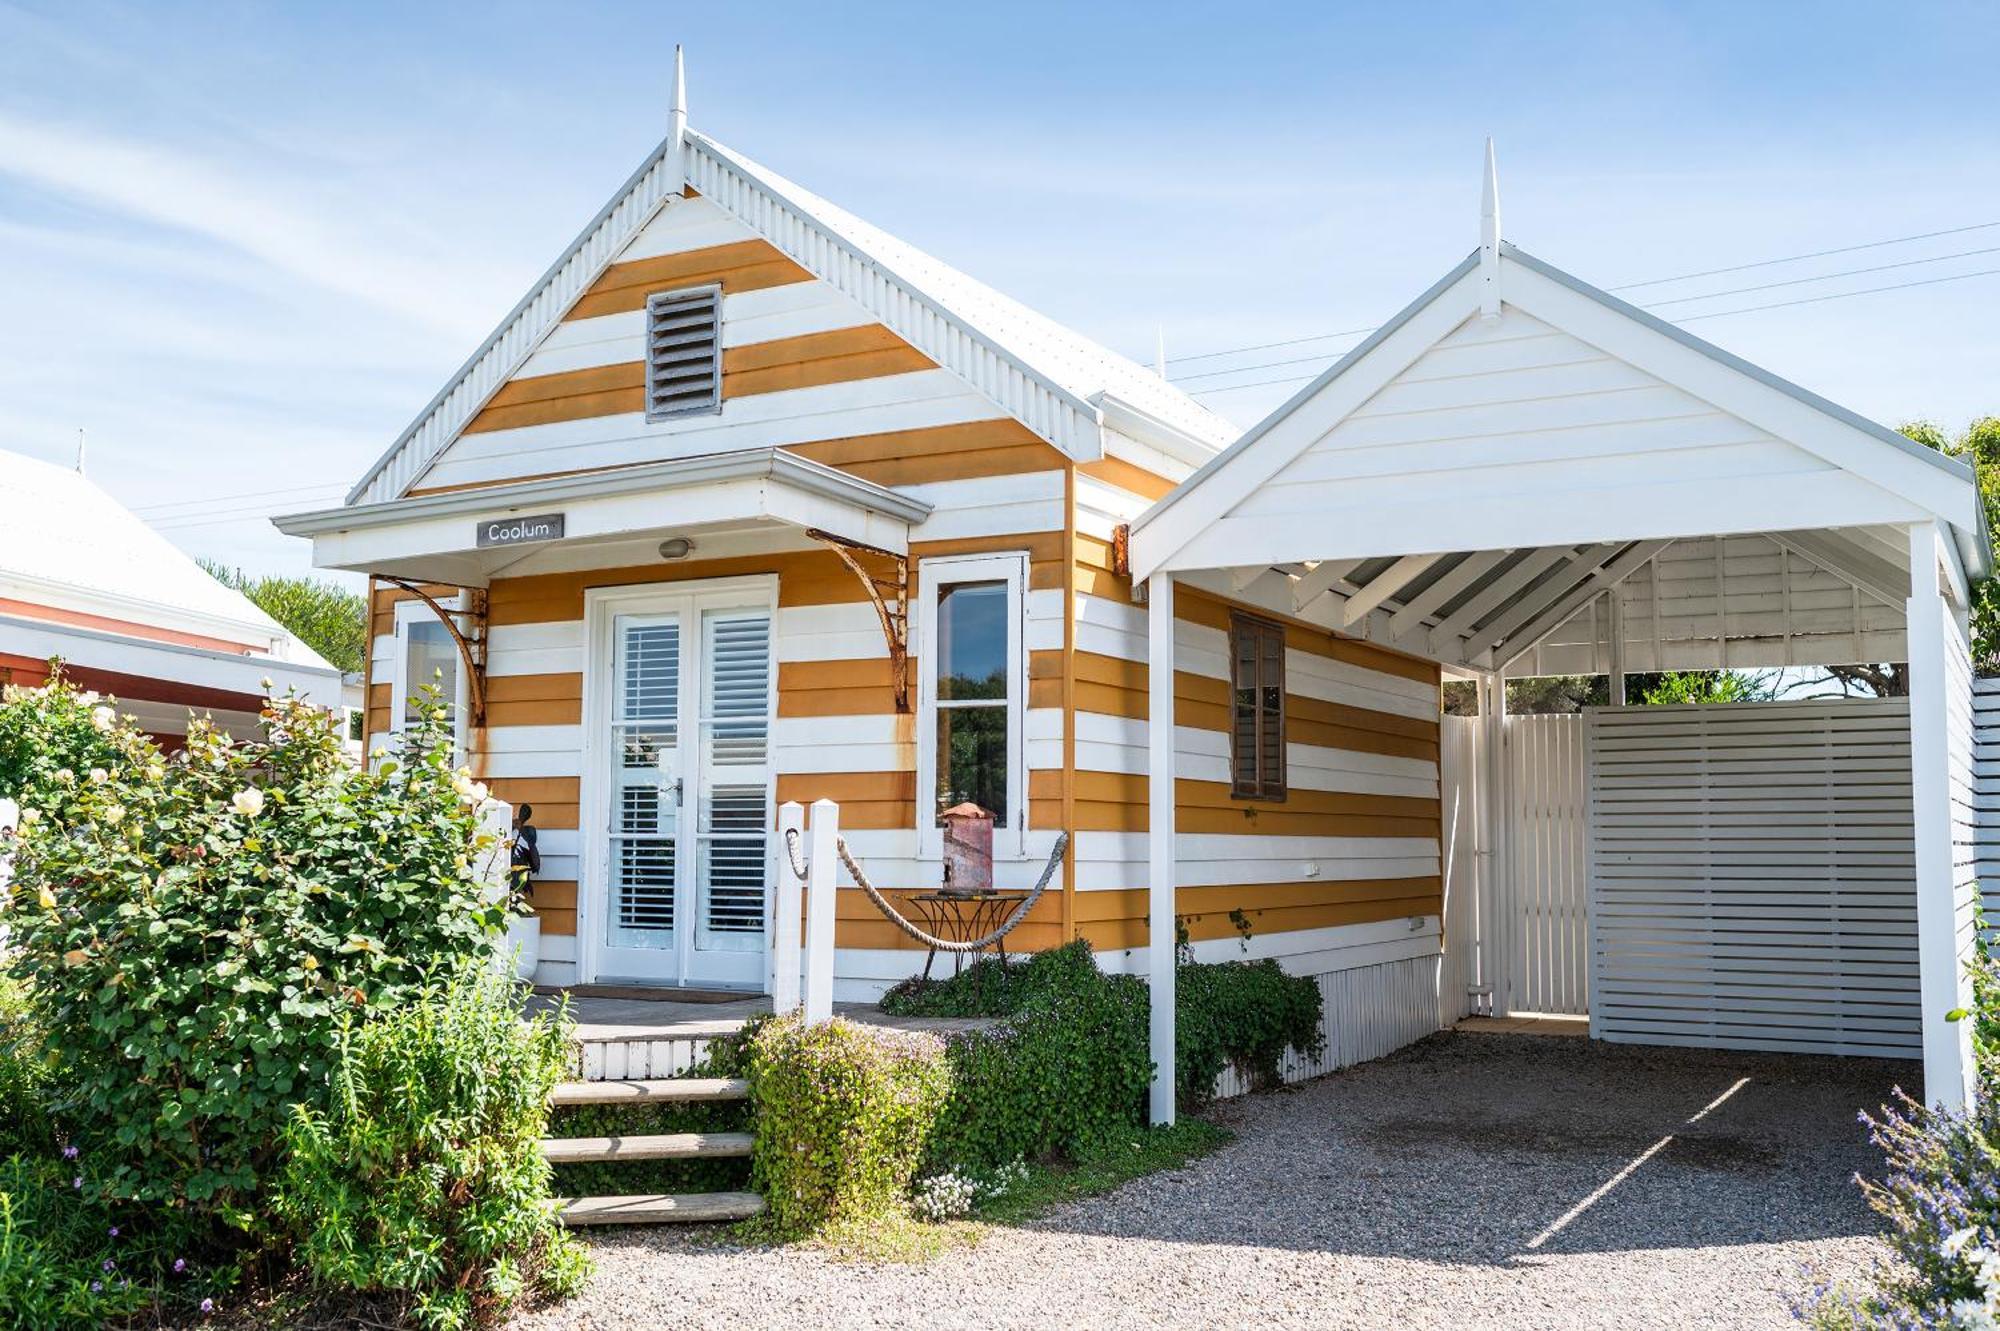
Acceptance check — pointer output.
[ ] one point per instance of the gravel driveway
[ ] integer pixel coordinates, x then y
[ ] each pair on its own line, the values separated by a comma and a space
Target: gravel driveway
1428, 1189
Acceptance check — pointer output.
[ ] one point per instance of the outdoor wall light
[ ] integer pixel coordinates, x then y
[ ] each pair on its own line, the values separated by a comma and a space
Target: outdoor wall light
676, 547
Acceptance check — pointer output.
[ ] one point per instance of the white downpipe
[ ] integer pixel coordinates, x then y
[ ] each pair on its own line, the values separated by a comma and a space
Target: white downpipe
1160, 899
822, 864
785, 923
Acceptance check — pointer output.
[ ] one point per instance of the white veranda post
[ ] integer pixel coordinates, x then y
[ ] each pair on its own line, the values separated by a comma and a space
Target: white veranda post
1160, 902
1940, 779
785, 906
822, 864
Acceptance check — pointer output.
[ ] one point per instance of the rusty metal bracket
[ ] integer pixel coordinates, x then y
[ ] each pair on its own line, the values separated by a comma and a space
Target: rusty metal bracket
471, 649
890, 594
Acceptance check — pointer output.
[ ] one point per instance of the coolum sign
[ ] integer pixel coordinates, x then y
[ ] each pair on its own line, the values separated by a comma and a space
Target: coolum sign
520, 531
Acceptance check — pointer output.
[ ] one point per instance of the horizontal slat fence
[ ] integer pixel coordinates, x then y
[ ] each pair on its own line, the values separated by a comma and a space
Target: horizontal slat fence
1752, 877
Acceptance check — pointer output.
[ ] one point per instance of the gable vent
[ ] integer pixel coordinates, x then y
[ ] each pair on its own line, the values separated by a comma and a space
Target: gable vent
683, 353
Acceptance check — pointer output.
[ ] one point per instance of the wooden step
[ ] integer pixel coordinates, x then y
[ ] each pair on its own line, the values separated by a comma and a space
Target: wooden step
678, 1090
661, 1146
694, 1208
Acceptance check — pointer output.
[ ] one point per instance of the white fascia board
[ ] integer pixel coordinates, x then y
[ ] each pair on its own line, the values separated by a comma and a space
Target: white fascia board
761, 484
1149, 429
1943, 485
1161, 535
201, 667
1419, 526
258, 634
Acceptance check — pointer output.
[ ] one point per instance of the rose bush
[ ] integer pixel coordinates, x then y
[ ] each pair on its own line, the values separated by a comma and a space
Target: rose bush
196, 928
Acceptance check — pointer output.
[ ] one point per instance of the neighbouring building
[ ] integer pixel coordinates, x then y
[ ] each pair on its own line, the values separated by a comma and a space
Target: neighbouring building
85, 581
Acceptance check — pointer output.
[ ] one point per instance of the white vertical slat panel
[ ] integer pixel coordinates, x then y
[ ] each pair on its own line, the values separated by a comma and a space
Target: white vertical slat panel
1460, 788
1752, 877
1977, 787
1545, 898
1365, 1012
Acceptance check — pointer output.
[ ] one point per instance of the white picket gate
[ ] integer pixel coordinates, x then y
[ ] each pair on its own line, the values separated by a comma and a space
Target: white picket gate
1542, 935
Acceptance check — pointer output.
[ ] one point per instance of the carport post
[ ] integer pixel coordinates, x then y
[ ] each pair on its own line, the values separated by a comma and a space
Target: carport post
1496, 917
1939, 665
1160, 903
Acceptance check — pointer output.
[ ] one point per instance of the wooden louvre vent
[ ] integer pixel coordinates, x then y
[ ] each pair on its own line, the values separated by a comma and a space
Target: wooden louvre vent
1257, 708
683, 353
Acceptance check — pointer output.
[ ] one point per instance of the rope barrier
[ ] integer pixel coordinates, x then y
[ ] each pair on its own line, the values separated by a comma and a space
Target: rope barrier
897, 918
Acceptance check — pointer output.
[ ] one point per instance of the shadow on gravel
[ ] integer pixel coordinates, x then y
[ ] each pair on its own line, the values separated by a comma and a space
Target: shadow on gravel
1498, 1149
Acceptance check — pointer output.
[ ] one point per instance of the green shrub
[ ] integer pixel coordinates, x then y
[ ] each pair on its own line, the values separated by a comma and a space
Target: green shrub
844, 1118
1241, 1014
1233, 1013
1068, 1066
424, 1178
27, 1086
70, 1257
51, 730
196, 929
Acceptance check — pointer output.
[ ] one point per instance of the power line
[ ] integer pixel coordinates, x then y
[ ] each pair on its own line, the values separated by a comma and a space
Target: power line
1816, 254
1823, 277
206, 500
1713, 314
1656, 281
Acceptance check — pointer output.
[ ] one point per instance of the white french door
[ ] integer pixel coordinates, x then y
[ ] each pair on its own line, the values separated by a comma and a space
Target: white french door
677, 783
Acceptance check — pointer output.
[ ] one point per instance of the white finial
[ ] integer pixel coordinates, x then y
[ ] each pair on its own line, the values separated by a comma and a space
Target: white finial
1160, 350
1489, 239
677, 117
79, 451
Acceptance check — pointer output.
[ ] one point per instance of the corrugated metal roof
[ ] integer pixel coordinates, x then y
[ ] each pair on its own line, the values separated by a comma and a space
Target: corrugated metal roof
1045, 375
64, 535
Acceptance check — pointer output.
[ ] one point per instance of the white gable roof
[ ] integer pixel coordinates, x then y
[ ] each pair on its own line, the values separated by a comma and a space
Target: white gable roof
1056, 382
66, 544
1392, 452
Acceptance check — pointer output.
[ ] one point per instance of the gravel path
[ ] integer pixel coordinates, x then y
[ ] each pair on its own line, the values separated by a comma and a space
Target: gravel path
1422, 1190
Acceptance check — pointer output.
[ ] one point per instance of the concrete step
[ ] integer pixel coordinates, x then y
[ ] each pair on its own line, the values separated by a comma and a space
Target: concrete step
694, 1208
679, 1090
662, 1146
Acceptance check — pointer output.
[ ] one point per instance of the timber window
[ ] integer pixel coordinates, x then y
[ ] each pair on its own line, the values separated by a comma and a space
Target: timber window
1257, 708
683, 353
426, 658
972, 692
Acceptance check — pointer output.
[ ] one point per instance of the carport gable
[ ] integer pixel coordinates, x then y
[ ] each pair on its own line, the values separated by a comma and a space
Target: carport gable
1570, 419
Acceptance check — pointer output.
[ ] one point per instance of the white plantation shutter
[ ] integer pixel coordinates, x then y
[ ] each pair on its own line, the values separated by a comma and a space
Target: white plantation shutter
736, 800
683, 352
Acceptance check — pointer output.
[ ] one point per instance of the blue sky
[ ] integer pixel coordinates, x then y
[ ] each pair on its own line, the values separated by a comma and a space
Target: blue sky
243, 244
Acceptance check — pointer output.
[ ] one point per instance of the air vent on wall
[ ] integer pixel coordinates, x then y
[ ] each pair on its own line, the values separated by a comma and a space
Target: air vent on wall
683, 352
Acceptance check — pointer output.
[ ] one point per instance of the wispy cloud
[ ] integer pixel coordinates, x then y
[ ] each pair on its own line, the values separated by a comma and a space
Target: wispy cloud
256, 218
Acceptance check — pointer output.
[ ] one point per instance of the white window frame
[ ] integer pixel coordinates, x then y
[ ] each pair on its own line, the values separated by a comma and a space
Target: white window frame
933, 575
409, 612
653, 299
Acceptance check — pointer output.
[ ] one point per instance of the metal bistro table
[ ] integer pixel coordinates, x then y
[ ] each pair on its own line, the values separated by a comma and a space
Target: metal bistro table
961, 917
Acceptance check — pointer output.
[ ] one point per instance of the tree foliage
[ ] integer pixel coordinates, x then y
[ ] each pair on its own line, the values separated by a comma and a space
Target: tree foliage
1979, 444
326, 617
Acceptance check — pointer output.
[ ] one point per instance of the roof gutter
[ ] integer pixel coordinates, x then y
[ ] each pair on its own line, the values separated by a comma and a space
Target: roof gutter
766, 463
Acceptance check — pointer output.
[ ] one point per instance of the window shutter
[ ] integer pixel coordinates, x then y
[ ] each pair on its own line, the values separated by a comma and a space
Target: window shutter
683, 353
1257, 709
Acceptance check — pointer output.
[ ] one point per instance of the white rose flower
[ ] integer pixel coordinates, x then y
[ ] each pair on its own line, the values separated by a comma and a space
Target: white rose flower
103, 717
249, 803
87, 697
98, 776
114, 814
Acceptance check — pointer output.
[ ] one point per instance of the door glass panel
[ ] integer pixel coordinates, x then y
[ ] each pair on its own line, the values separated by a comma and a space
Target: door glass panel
734, 818
645, 805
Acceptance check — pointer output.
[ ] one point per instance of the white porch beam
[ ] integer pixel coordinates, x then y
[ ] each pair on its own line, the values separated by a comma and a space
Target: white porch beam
1610, 575
1615, 656
1570, 575
1939, 666
1386, 584
1494, 595
1161, 876
1455, 580
1848, 562
1239, 578
1319, 580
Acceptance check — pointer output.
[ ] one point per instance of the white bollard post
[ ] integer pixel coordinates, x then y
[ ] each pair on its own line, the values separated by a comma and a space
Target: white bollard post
786, 923
822, 868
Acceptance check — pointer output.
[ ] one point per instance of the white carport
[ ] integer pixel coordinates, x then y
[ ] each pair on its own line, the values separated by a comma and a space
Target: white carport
1521, 470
